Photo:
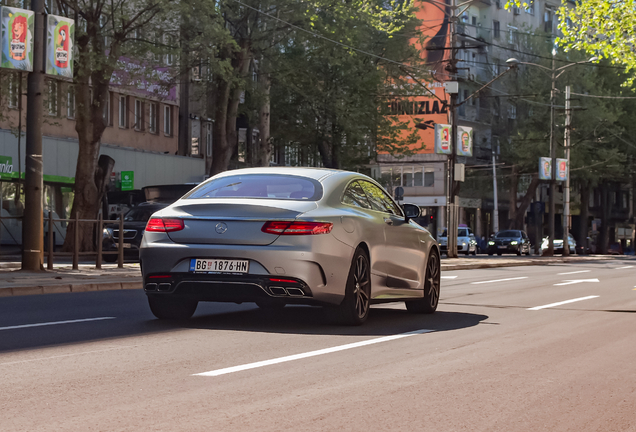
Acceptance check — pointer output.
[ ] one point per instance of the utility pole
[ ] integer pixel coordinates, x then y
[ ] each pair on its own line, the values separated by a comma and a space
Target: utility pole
552, 212
32, 230
495, 216
451, 205
566, 192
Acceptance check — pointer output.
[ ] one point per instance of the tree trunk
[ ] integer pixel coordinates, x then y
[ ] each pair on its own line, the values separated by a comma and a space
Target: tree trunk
264, 150
221, 152
241, 66
90, 127
605, 216
517, 219
514, 187
585, 214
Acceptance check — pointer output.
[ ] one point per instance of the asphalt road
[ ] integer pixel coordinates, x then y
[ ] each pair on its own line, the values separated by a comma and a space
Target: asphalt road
538, 348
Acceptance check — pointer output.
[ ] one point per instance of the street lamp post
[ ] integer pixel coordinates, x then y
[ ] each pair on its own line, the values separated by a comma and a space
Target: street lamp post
552, 72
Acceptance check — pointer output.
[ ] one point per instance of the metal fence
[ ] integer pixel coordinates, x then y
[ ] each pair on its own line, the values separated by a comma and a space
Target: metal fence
49, 239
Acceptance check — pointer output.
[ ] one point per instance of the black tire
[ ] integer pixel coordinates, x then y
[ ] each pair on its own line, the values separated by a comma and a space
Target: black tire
354, 309
171, 308
110, 258
489, 253
519, 252
498, 253
428, 303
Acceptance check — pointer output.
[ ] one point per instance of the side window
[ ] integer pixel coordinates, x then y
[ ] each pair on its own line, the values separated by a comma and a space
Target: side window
354, 196
379, 199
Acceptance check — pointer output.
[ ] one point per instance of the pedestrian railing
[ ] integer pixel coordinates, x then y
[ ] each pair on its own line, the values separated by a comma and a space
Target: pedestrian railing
52, 227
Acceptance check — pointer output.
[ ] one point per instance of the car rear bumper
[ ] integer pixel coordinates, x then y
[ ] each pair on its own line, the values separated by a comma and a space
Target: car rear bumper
320, 273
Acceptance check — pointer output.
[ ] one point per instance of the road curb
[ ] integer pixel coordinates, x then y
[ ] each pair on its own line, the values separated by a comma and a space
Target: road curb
68, 288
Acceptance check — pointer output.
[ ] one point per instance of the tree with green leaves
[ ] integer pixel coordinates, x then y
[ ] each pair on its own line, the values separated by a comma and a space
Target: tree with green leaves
602, 28
110, 37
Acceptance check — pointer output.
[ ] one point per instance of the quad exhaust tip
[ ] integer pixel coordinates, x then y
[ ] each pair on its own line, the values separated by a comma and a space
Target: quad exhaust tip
292, 292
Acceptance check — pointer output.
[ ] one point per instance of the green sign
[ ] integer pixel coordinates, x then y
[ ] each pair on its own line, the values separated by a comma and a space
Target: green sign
6, 167
127, 180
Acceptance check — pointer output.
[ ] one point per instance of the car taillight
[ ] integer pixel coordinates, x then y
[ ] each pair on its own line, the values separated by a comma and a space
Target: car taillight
297, 228
164, 225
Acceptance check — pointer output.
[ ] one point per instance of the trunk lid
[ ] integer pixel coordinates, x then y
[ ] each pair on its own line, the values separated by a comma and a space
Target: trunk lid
232, 221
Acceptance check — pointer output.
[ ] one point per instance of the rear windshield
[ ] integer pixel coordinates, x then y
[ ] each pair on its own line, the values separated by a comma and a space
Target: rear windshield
508, 234
267, 186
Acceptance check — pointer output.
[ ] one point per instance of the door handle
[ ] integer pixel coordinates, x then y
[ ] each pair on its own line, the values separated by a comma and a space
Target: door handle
388, 221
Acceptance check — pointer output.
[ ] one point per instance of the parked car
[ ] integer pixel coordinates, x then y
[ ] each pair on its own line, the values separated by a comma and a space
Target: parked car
275, 236
509, 241
615, 249
157, 198
558, 245
134, 225
466, 241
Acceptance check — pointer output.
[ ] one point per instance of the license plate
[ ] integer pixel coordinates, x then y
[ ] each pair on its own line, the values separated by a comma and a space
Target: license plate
503, 247
127, 245
198, 265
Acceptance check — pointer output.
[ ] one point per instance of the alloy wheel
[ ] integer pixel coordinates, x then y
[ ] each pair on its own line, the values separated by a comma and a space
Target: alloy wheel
361, 286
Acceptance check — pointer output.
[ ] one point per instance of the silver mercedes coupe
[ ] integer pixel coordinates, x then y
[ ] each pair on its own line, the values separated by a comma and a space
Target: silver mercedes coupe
278, 236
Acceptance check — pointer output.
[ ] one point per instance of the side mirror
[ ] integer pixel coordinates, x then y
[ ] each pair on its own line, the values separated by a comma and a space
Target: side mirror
411, 211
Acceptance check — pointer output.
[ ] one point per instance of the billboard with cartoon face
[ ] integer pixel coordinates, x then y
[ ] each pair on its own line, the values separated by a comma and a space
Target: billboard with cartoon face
442, 139
17, 38
464, 141
545, 168
59, 46
562, 169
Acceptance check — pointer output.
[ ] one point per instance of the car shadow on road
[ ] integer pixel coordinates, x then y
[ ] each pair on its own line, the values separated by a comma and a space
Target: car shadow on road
383, 320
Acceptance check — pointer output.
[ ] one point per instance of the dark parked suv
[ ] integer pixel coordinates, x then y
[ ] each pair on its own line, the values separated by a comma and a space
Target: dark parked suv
157, 197
134, 226
509, 241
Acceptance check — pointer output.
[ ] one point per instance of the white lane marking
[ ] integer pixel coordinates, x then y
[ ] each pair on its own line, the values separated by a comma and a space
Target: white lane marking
563, 302
570, 282
621, 268
309, 354
448, 277
55, 323
499, 280
574, 272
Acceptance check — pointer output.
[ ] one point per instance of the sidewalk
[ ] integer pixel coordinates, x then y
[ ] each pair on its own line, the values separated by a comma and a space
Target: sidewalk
63, 279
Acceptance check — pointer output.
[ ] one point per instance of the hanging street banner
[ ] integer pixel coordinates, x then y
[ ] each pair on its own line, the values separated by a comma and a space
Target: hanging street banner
442, 139
60, 37
17, 38
545, 168
464, 141
562, 169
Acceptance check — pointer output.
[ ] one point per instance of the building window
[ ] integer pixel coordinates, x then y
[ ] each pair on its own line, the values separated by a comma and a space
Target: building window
52, 98
496, 29
167, 120
70, 102
154, 114
123, 113
429, 177
530, 8
13, 90
169, 41
547, 20
157, 48
208, 139
139, 115
512, 111
106, 112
